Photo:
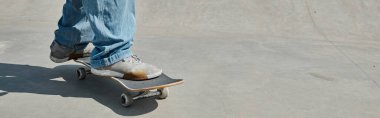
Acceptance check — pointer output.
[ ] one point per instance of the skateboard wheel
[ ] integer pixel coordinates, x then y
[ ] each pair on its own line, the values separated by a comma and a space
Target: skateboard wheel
81, 73
126, 99
164, 93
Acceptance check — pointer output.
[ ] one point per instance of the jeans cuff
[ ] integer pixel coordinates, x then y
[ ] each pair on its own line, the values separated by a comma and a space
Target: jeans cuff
111, 59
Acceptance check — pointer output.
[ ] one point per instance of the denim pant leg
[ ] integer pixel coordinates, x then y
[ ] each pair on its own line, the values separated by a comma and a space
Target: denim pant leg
113, 22
74, 30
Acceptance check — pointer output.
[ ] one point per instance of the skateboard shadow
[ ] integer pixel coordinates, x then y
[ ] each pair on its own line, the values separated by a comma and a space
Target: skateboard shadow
48, 81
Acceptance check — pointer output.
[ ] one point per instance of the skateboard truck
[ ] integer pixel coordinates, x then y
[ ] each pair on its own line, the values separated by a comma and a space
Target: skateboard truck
127, 99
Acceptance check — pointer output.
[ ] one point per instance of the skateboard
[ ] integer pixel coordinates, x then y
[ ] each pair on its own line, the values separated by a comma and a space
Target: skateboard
156, 87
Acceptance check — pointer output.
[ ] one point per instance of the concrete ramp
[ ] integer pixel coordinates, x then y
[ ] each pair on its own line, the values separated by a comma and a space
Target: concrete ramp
285, 17
239, 59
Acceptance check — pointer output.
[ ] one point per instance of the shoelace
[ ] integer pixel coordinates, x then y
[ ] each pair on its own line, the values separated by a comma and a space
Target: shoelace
133, 59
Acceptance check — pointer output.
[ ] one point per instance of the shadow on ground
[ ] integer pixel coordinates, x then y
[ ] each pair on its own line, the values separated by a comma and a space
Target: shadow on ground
41, 80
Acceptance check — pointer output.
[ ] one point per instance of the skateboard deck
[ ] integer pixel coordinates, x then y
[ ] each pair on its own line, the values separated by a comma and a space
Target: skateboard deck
162, 81
159, 82
144, 89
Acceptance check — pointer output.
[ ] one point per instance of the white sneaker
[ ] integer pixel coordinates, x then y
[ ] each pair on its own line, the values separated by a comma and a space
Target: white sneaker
130, 68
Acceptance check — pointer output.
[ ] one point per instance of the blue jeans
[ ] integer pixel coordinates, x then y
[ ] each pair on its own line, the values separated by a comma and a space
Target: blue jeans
108, 24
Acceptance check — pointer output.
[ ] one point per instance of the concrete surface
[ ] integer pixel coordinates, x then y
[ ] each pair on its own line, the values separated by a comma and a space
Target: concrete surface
240, 58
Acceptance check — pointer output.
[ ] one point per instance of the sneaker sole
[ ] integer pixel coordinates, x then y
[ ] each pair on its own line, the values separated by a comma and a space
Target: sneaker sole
110, 73
56, 60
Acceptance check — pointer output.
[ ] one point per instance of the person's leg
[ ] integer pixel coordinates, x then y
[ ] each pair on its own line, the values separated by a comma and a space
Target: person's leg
73, 34
113, 22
